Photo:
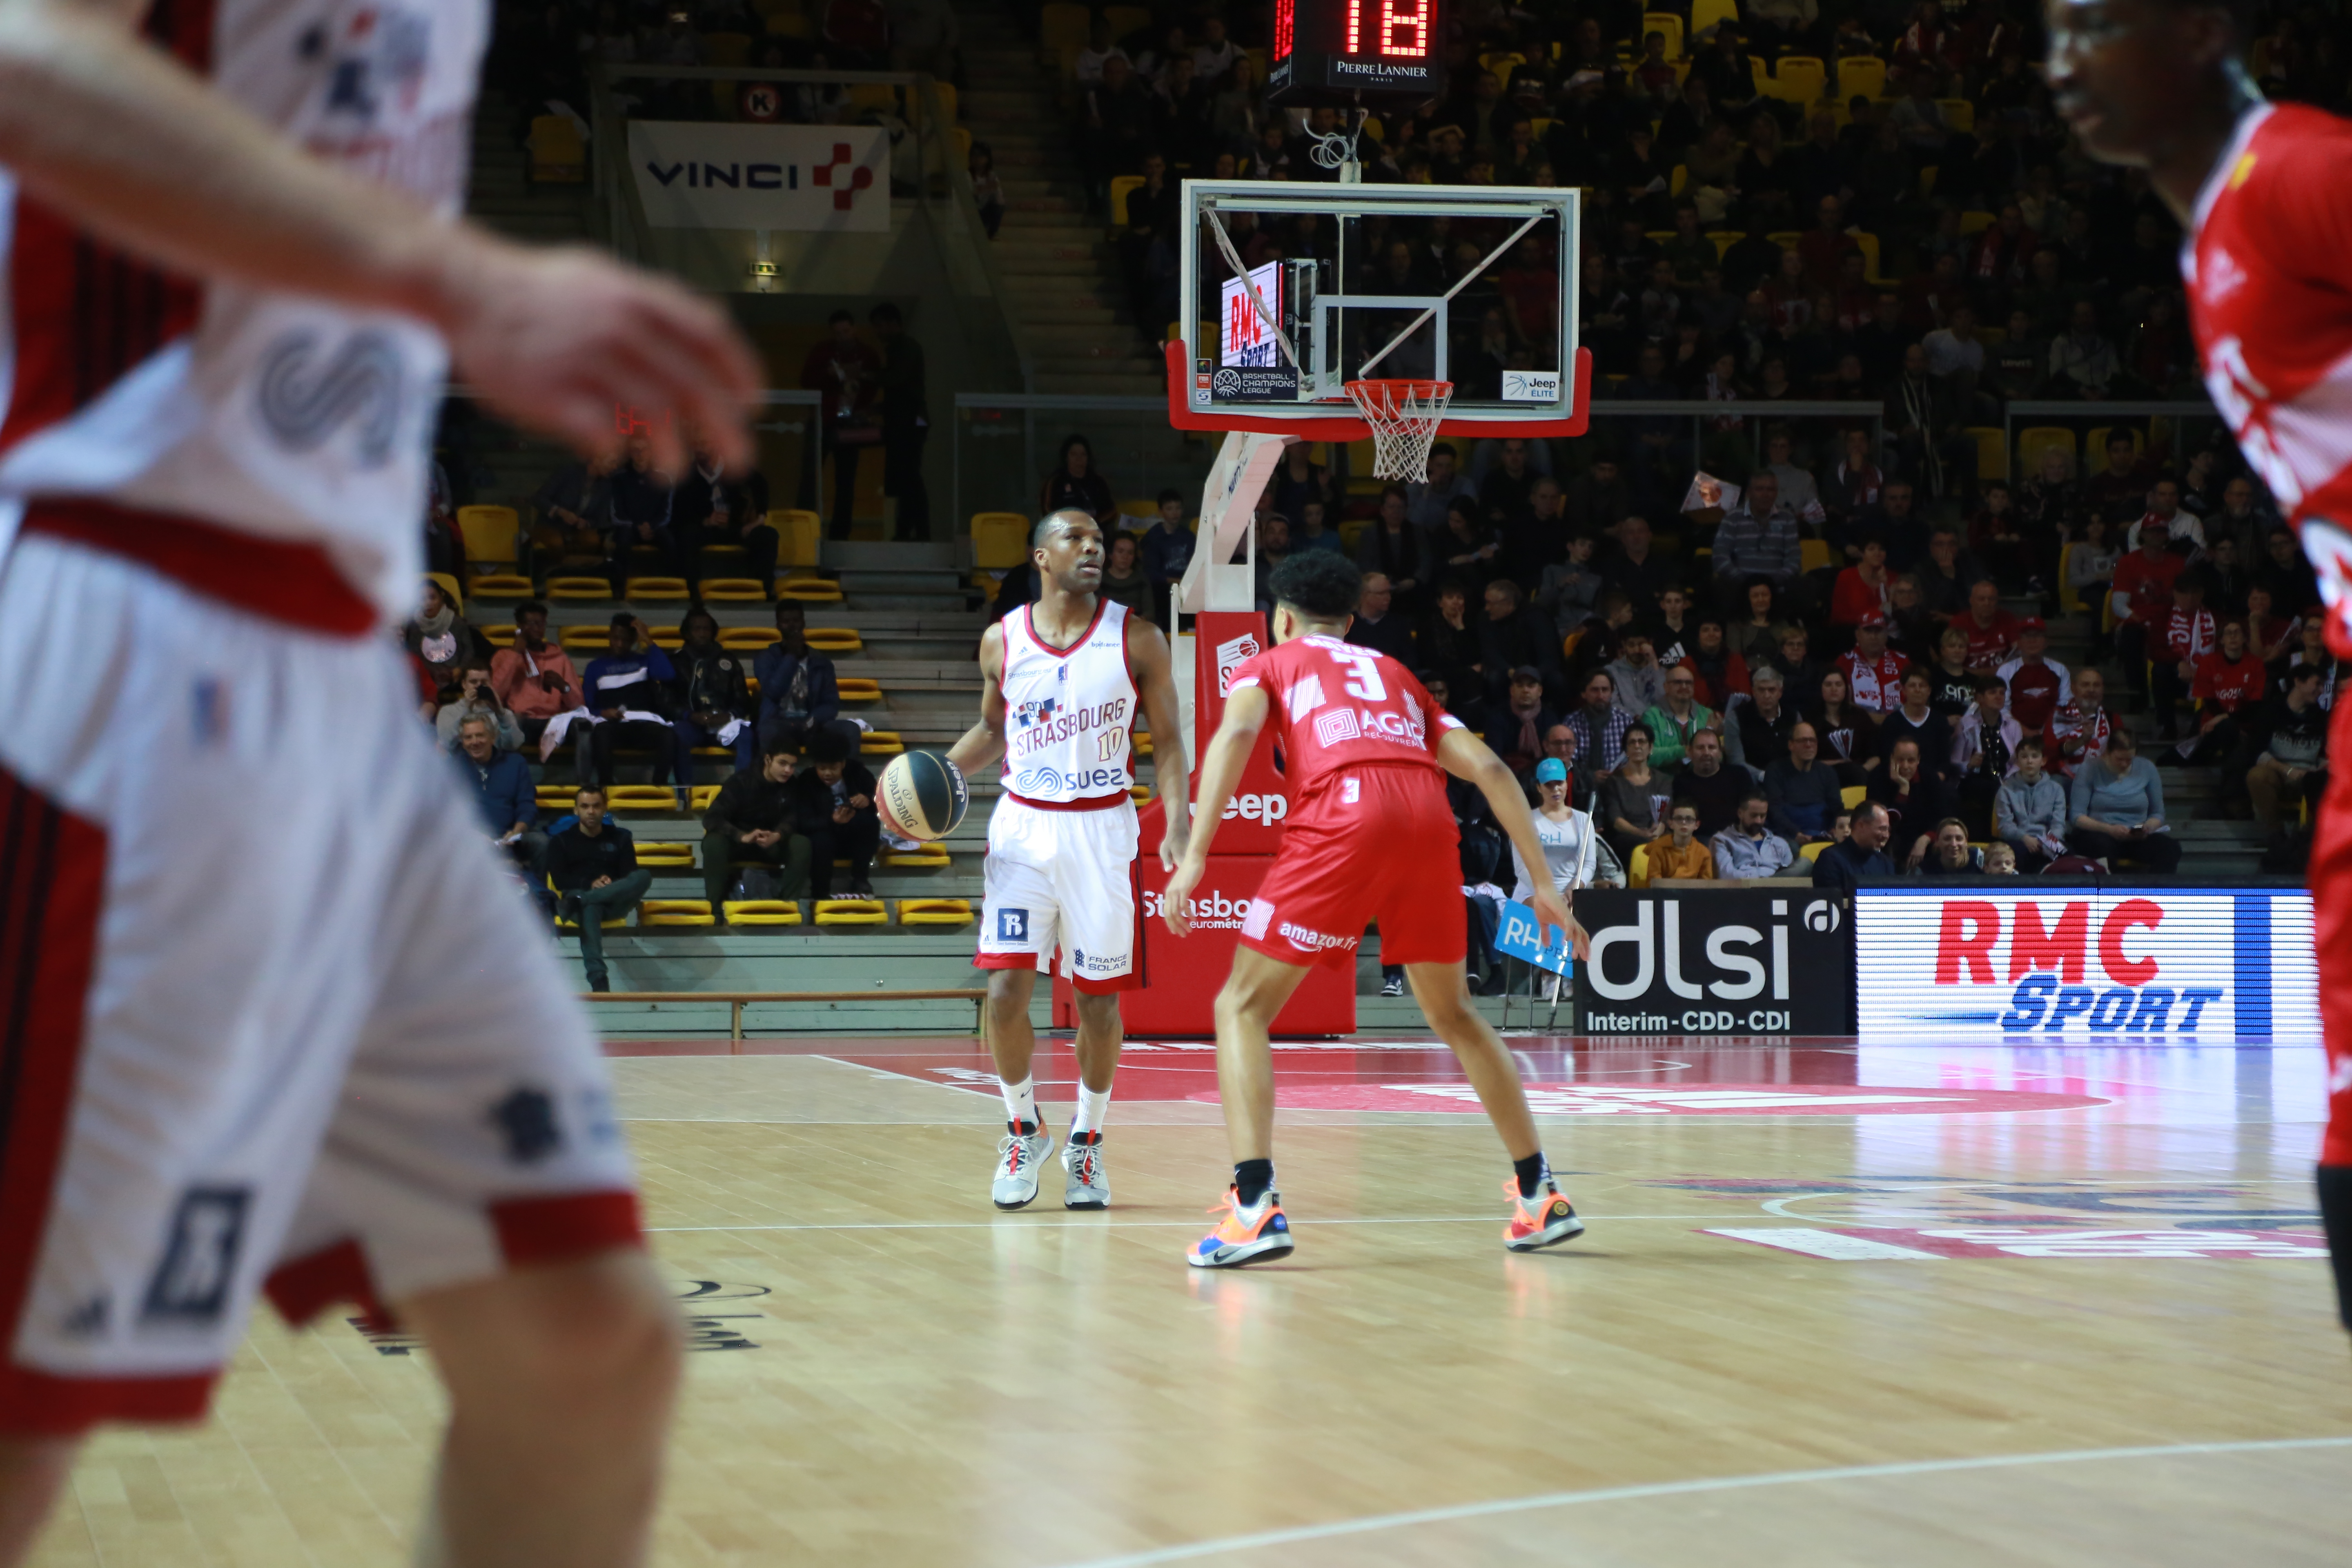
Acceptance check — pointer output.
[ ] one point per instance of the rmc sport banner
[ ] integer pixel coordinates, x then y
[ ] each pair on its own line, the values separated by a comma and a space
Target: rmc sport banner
1972, 965
762, 176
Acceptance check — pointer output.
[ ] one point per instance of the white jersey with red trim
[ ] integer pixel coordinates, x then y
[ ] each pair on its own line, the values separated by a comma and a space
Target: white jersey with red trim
2268, 262
1069, 712
271, 414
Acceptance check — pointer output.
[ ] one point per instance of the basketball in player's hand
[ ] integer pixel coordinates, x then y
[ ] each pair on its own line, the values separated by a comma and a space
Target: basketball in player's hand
921, 795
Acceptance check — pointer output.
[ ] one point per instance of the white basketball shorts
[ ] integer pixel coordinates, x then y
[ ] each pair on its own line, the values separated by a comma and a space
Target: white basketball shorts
1065, 879
271, 1014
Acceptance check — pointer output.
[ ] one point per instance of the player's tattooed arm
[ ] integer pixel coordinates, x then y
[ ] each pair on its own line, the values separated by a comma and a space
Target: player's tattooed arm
984, 742
1468, 758
1148, 655
1221, 774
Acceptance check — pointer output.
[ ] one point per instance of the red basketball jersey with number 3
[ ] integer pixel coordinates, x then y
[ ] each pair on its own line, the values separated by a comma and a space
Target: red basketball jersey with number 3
1338, 705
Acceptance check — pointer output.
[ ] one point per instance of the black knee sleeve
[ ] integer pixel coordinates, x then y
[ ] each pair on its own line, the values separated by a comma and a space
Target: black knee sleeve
2336, 1214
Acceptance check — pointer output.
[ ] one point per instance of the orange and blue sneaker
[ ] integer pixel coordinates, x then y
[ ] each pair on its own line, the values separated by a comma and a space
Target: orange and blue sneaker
1546, 1219
1247, 1235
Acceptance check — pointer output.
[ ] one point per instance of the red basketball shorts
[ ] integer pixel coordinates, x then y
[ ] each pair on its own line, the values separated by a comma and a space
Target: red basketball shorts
1375, 844
2331, 923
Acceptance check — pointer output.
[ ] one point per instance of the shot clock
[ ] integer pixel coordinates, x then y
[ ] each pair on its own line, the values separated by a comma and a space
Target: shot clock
1355, 53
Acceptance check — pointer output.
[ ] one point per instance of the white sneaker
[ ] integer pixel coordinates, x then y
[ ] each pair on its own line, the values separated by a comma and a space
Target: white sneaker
1089, 1184
1018, 1161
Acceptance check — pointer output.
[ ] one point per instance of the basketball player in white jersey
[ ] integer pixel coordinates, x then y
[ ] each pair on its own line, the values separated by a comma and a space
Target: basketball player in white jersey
1061, 679
270, 1014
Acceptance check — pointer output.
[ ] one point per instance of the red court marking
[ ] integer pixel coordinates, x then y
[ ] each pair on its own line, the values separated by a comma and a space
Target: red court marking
1681, 1098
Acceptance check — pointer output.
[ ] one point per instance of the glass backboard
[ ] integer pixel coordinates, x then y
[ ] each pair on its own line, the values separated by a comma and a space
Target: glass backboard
1293, 290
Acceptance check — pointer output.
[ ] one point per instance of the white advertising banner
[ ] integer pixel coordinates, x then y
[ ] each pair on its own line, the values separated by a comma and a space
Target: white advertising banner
694, 175
2093, 965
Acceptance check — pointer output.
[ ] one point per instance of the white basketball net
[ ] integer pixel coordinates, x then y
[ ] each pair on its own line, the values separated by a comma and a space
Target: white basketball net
1403, 416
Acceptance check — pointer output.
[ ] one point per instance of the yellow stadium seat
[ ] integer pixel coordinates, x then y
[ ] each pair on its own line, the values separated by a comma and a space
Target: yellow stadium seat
491, 534
1959, 115
747, 639
1725, 238
1138, 793
497, 637
1637, 867
727, 48
726, 554
800, 536
1502, 63
930, 857
1678, 179
1142, 744
657, 590
2031, 443
555, 798
881, 743
857, 689
2069, 598
698, 797
1759, 74
733, 591
557, 155
834, 639
1801, 79
1000, 540
1813, 554
810, 592
1127, 20
1976, 222
852, 912
1868, 244
934, 911
1669, 24
761, 913
501, 585
1992, 452
947, 105
1862, 76
641, 797
1062, 26
1852, 795
589, 636
561, 588
665, 852
1120, 184
1785, 238
668, 641
675, 912
789, 25
1809, 853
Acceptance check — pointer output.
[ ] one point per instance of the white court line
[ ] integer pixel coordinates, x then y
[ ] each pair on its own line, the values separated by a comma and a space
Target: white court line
1151, 1224
1304, 1533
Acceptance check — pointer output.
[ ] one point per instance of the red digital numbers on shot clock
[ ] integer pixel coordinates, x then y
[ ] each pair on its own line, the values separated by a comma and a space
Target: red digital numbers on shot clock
1283, 25
1364, 53
1395, 34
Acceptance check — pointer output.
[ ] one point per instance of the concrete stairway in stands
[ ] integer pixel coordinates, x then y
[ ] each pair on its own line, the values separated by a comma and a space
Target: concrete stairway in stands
500, 193
1061, 273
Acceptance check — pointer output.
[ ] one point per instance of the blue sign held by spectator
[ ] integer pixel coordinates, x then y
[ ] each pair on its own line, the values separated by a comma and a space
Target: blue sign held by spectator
1521, 934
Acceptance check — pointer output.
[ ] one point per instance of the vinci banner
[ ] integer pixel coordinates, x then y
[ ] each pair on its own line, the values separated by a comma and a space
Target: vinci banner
762, 176
1730, 960
2122, 962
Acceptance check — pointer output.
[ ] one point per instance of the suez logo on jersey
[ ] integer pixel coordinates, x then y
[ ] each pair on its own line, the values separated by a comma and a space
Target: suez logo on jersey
1730, 960
2120, 962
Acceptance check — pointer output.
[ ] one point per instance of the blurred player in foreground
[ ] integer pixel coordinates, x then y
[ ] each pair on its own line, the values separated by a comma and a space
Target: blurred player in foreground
2265, 195
275, 1017
1370, 837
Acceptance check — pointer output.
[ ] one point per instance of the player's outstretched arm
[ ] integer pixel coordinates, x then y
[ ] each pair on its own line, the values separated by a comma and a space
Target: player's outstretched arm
1221, 774
984, 742
132, 145
1148, 653
1467, 757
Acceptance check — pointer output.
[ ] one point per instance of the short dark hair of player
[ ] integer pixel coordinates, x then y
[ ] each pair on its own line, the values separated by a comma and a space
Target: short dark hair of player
1321, 584
1040, 530
826, 744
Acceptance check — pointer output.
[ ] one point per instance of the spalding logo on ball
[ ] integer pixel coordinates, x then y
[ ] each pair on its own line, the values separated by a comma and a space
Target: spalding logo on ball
922, 795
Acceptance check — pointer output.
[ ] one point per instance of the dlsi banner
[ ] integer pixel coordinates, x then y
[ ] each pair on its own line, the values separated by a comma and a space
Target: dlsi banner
693, 175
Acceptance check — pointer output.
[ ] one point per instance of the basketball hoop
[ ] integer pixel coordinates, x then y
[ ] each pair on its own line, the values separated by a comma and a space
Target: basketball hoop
1403, 416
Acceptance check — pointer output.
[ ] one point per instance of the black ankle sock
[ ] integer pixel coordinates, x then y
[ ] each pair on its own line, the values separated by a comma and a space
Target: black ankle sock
1250, 1179
2336, 1213
1531, 1171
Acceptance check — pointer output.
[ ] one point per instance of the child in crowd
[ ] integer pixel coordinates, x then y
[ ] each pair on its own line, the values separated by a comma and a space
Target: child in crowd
1999, 860
1678, 851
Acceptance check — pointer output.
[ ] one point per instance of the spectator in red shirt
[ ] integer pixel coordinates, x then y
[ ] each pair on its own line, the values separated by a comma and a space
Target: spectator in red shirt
2229, 686
1873, 673
1992, 631
2142, 596
534, 678
1863, 588
2188, 635
2037, 684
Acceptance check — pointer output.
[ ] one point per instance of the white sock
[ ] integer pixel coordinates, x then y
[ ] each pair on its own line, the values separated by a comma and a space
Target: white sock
1020, 1100
1094, 1105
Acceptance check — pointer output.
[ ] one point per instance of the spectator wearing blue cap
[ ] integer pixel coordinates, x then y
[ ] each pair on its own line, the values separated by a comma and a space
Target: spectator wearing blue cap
1571, 847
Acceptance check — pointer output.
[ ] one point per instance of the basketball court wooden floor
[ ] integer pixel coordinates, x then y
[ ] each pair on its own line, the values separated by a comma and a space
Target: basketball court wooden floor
1837, 1306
